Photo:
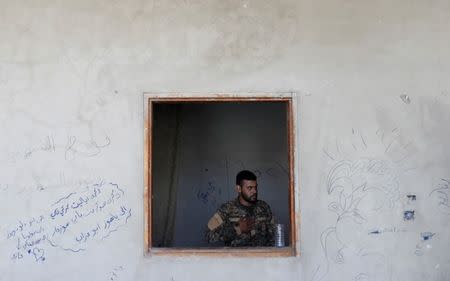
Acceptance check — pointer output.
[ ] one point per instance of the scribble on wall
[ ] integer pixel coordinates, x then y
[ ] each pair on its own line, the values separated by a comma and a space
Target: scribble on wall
71, 147
363, 187
409, 215
115, 272
71, 223
349, 182
427, 235
440, 195
209, 195
357, 189
423, 244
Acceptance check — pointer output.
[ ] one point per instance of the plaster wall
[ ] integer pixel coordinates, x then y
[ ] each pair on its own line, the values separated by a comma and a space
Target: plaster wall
372, 114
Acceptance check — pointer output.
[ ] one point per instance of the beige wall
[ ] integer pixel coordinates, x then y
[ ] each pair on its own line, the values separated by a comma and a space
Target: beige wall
72, 77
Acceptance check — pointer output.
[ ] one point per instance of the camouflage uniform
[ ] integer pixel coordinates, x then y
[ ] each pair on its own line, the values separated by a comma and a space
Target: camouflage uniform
224, 225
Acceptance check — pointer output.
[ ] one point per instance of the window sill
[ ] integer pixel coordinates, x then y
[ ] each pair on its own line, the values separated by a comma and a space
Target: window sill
225, 252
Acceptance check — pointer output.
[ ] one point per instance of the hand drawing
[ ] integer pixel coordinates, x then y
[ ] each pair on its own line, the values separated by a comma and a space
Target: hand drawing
349, 182
440, 195
209, 195
114, 273
357, 189
75, 147
71, 148
389, 142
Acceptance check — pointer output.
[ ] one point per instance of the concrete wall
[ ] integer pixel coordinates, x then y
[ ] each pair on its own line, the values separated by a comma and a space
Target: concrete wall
372, 113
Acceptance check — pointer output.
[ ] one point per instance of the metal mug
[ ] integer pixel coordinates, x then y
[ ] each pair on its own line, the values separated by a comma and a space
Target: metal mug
279, 235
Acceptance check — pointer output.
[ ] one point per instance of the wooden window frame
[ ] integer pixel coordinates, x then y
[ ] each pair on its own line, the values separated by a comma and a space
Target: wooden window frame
293, 249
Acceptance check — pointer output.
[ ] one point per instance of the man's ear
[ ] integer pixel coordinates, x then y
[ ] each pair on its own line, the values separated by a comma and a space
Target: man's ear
238, 188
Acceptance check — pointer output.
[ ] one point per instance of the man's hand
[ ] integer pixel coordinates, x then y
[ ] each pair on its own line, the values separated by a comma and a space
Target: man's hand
246, 224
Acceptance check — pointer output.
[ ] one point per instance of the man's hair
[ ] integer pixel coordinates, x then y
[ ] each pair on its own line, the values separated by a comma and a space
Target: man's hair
245, 175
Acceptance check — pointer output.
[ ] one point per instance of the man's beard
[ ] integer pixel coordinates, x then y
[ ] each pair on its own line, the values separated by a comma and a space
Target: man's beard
250, 199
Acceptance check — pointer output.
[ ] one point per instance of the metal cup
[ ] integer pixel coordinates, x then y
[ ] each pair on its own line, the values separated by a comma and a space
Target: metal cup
279, 235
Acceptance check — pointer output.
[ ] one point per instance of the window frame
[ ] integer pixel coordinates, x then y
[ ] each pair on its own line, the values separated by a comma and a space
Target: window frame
294, 214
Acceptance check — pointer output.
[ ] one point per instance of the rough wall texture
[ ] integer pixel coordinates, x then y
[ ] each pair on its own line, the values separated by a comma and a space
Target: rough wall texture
372, 112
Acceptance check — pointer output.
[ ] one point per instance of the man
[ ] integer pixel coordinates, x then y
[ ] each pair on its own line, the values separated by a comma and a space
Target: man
244, 221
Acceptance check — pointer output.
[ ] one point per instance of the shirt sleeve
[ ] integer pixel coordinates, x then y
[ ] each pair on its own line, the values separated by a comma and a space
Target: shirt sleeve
220, 228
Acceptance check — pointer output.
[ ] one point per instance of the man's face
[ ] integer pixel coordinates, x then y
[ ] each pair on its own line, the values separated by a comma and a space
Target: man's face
249, 191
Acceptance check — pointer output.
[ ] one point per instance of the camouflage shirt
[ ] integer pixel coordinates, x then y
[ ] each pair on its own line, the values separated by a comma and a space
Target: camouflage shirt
224, 225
